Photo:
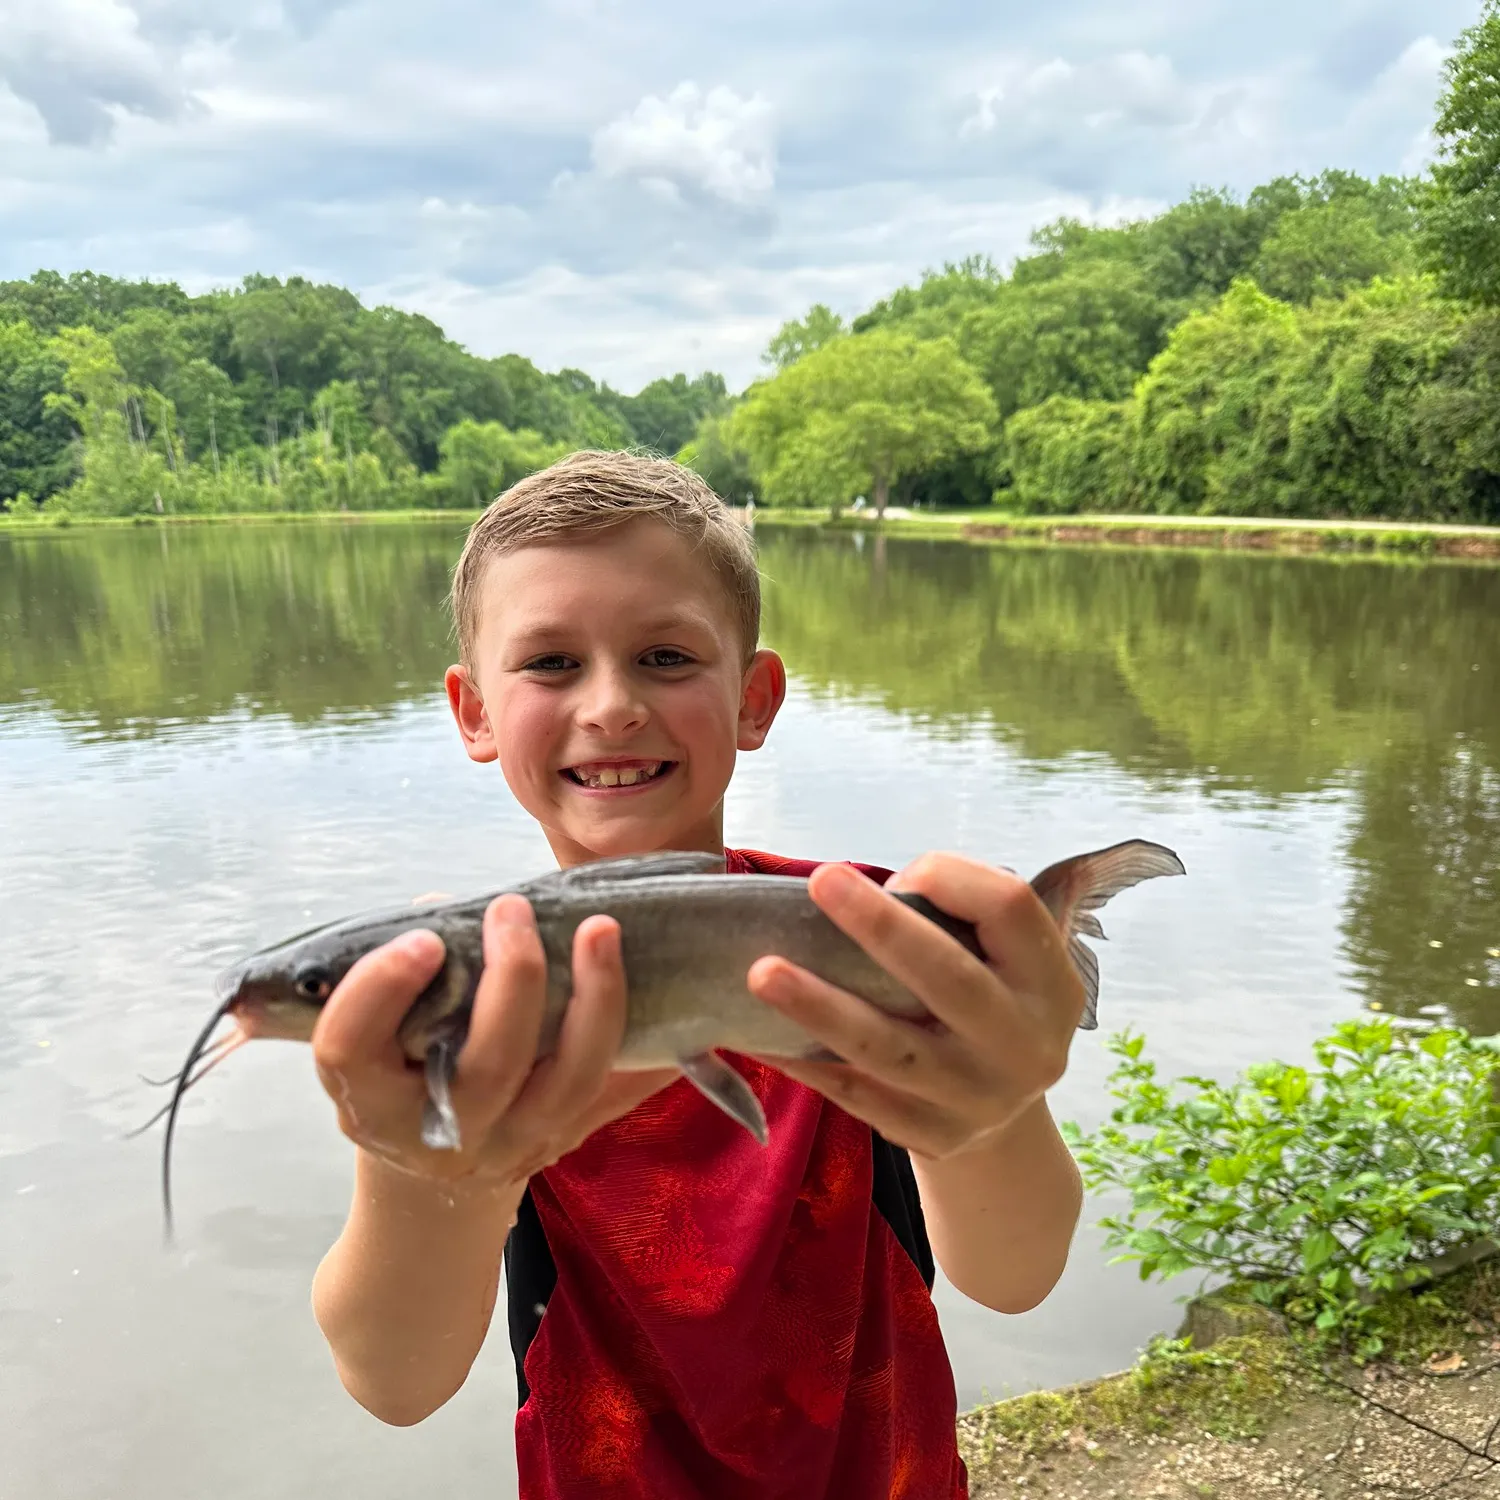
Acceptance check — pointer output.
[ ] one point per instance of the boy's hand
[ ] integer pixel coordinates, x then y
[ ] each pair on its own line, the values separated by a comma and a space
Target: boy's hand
516, 1115
1007, 1023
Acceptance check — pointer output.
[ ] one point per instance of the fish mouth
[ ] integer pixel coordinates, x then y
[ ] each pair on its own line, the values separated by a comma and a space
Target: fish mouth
617, 774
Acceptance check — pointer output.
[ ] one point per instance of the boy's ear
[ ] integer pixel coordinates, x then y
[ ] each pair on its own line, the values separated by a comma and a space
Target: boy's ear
761, 697
469, 714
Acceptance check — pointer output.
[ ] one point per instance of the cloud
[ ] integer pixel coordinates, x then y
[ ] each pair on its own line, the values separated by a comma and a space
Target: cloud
716, 143
538, 175
78, 61
1130, 88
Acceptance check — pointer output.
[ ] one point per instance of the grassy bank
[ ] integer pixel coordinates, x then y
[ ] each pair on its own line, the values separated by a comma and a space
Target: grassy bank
1214, 533
44, 525
1209, 533
1268, 1413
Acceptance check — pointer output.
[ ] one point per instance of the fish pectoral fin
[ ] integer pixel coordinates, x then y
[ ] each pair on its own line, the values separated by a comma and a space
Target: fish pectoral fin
439, 1119
721, 1085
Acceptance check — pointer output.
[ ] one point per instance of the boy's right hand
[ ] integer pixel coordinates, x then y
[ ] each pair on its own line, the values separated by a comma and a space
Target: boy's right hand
516, 1115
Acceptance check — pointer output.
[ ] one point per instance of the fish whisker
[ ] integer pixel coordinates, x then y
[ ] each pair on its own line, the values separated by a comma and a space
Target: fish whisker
229, 1041
215, 1055
184, 1078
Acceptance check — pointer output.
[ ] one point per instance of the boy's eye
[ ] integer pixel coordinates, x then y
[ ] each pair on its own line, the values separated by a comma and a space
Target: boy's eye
556, 662
667, 656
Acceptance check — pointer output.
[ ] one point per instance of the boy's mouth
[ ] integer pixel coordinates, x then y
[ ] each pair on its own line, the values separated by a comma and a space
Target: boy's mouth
599, 775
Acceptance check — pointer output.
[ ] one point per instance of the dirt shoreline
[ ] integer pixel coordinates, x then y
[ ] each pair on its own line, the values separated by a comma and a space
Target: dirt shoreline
1267, 537
1250, 1416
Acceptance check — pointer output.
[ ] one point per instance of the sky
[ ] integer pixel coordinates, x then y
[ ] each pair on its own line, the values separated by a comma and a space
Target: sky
637, 187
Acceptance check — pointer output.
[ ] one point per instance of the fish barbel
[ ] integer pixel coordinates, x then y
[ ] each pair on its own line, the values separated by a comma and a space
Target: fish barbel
688, 939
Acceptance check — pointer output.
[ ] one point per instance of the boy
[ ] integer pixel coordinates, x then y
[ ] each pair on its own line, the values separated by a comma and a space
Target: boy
692, 1315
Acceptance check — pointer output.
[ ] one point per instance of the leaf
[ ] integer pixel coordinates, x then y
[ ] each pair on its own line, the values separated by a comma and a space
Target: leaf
1446, 1364
1318, 1249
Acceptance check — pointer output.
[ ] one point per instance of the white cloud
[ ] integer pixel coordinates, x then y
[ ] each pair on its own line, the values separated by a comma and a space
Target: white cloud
537, 176
1406, 90
77, 62
1128, 89
716, 143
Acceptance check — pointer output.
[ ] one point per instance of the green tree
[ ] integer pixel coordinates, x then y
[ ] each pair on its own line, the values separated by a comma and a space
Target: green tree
482, 459
1461, 216
724, 466
866, 410
1327, 249
665, 414
1088, 332
799, 336
36, 440
1069, 455
124, 471
1197, 409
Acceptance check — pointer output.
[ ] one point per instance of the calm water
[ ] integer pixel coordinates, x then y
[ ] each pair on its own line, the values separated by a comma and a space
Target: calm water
209, 738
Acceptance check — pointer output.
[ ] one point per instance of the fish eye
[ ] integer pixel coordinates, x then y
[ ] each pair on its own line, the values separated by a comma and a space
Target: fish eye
313, 982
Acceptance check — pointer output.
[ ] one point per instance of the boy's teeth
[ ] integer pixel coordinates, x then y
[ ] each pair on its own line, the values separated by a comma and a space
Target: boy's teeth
619, 775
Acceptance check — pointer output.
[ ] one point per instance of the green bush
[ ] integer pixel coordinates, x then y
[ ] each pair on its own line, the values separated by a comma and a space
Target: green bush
1068, 455
1316, 1192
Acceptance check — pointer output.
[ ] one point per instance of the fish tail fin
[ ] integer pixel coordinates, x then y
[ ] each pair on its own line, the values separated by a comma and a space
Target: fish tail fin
1074, 889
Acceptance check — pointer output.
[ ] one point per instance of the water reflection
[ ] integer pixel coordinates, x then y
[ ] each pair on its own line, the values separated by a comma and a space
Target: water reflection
130, 633
1262, 676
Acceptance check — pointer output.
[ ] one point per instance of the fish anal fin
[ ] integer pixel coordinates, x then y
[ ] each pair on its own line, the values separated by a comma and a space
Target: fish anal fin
721, 1085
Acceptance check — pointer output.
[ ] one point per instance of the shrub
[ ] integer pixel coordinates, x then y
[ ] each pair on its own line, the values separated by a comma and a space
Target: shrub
1316, 1191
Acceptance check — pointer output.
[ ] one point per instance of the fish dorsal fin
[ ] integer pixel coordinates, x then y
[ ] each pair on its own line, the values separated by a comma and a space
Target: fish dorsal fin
1074, 889
641, 867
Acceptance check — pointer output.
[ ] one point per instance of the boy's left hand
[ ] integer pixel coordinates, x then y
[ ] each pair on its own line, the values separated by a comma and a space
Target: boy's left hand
1007, 1023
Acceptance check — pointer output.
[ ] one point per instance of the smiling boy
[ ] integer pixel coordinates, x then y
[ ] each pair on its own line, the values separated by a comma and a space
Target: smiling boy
692, 1315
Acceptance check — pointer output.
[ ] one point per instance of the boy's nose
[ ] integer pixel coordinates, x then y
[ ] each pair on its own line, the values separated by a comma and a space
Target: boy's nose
611, 704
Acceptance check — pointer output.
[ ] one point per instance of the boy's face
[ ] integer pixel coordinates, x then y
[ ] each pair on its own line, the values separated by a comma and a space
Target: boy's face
609, 681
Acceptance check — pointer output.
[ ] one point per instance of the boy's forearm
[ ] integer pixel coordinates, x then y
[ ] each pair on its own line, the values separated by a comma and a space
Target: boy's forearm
1001, 1216
404, 1296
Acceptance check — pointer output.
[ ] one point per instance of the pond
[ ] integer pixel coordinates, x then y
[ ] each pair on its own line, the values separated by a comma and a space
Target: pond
210, 738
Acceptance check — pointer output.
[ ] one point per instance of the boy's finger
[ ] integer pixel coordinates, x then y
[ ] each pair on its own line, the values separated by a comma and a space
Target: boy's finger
1018, 934
509, 1004
882, 1046
918, 1125
357, 1026
956, 987
593, 1025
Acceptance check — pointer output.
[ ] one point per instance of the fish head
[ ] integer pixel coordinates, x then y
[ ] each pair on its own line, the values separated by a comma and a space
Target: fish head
280, 992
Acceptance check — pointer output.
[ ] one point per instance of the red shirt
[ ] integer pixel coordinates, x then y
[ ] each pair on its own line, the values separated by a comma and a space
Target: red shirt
728, 1321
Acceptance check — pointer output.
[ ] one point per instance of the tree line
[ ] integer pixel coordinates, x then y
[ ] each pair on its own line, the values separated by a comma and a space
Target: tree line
1322, 346
119, 397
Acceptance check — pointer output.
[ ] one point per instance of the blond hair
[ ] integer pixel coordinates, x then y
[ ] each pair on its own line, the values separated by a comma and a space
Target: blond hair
591, 491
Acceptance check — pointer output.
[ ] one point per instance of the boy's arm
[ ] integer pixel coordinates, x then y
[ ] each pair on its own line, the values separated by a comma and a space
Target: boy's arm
405, 1295
999, 1187
1001, 1215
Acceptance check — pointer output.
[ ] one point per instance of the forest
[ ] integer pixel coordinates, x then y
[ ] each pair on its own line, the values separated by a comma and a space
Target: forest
1324, 346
